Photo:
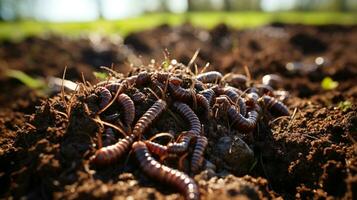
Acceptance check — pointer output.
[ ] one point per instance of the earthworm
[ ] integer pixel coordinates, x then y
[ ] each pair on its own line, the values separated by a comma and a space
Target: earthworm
182, 143
240, 122
156, 149
138, 96
210, 77
199, 85
162, 76
157, 86
143, 78
164, 174
128, 107
208, 94
105, 96
252, 97
128, 82
235, 97
222, 103
111, 154
265, 89
275, 107
238, 80
108, 137
178, 92
197, 156
203, 102
272, 80
190, 116
113, 87
149, 116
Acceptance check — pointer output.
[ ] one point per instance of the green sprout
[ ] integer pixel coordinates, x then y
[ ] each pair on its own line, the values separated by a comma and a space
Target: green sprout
344, 105
166, 63
33, 83
100, 75
328, 83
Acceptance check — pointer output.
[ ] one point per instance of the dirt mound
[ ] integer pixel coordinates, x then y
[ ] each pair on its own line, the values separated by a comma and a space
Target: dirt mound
312, 155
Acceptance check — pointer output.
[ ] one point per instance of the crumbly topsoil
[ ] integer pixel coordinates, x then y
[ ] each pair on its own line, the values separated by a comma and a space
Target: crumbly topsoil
45, 155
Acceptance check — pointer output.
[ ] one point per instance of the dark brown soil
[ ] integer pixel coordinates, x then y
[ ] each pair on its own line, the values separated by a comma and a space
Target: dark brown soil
44, 155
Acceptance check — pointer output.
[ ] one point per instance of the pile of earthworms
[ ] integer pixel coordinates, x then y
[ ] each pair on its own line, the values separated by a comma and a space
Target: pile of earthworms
174, 88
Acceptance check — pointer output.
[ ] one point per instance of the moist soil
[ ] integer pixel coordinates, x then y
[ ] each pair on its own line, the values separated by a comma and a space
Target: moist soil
45, 155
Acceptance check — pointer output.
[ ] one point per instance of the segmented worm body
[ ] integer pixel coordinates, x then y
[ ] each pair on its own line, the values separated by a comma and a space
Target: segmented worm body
182, 143
128, 107
113, 87
162, 76
108, 137
183, 94
275, 107
190, 116
210, 77
199, 85
143, 78
208, 94
104, 95
235, 98
265, 89
238, 81
197, 156
149, 116
164, 174
156, 149
203, 102
242, 123
111, 154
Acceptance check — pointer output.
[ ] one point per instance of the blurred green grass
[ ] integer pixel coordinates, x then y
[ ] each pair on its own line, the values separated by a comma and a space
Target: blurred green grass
21, 29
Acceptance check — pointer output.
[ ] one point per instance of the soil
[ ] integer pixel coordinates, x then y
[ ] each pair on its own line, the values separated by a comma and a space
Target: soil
44, 155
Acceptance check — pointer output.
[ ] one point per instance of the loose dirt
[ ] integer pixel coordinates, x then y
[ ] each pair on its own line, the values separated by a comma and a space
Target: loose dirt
44, 155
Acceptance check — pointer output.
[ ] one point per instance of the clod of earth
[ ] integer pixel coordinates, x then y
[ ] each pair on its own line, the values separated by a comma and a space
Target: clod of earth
192, 104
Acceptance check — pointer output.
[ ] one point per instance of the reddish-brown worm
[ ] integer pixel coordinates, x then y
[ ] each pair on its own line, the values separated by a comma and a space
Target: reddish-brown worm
108, 137
197, 156
234, 96
210, 77
164, 174
162, 76
182, 94
238, 81
138, 96
190, 116
240, 122
156, 149
265, 89
128, 107
111, 154
104, 95
113, 87
274, 106
208, 94
203, 102
149, 116
143, 78
182, 144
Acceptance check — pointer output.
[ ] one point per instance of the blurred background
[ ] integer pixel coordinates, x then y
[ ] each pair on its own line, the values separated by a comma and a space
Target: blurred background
28, 17
88, 10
